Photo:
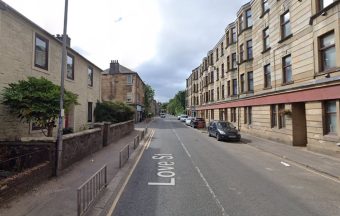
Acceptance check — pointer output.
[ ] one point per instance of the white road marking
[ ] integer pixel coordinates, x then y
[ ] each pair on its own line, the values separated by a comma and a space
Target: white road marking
285, 164
218, 203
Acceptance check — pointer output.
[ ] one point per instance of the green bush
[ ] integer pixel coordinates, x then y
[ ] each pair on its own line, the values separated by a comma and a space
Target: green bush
113, 112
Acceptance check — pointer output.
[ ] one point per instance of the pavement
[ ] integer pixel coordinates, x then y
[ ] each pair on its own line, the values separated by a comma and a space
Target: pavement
321, 163
57, 196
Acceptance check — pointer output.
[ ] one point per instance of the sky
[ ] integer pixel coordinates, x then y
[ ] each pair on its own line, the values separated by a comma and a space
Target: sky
162, 40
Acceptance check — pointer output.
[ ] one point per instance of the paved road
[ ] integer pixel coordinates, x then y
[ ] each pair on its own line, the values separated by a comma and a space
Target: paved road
185, 172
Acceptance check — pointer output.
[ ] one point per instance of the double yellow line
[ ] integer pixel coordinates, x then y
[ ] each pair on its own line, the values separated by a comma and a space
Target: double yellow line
145, 146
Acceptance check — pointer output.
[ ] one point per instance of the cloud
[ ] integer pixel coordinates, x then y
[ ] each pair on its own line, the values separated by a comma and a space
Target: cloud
190, 30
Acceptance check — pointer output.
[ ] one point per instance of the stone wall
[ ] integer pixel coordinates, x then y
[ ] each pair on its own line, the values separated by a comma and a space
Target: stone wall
77, 146
117, 131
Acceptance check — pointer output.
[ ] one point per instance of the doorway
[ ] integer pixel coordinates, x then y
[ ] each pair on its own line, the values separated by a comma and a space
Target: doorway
299, 124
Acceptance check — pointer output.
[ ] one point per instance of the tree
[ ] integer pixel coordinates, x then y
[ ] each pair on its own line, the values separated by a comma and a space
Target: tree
176, 105
149, 94
113, 112
37, 101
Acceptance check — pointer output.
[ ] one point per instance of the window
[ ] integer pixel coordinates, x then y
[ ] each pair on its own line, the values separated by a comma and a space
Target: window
234, 87
218, 93
90, 76
227, 38
287, 69
70, 67
222, 70
222, 91
234, 36
242, 83
217, 74
212, 113
41, 52
266, 42
128, 97
265, 6
249, 49
281, 113
228, 63
240, 22
241, 53
245, 115
249, 19
250, 81
212, 95
273, 116
212, 77
233, 61
89, 112
129, 79
228, 87
222, 50
250, 116
285, 25
217, 54
330, 117
233, 114
327, 51
324, 3
267, 76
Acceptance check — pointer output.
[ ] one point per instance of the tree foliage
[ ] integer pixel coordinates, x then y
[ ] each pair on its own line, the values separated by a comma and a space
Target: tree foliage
176, 105
113, 112
149, 95
36, 100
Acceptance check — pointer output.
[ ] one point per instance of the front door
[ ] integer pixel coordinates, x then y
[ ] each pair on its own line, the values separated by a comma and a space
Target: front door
299, 124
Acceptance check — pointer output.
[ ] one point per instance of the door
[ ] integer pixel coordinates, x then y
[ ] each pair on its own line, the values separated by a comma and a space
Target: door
299, 124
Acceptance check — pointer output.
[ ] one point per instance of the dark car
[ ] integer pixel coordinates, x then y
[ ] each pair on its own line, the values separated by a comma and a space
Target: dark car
223, 130
197, 123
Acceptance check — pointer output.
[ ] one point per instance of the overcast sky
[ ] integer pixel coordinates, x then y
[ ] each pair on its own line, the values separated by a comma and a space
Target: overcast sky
162, 40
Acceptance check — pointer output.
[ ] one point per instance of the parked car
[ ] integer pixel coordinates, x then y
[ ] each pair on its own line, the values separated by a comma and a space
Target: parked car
223, 130
188, 121
183, 118
162, 115
179, 117
198, 123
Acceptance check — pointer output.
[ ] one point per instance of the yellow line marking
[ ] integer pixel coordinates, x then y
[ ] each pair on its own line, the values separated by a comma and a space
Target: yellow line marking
150, 137
128, 178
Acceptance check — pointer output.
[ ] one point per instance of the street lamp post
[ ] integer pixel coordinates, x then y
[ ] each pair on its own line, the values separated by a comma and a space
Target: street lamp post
61, 112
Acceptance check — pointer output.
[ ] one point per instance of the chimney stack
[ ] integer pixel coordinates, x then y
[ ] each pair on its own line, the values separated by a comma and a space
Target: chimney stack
68, 39
114, 67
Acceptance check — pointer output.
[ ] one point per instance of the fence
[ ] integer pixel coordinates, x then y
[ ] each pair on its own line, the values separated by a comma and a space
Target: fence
87, 192
124, 155
136, 142
15, 163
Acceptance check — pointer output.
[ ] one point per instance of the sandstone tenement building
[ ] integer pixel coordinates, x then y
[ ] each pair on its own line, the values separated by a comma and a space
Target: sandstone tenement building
28, 50
124, 85
275, 73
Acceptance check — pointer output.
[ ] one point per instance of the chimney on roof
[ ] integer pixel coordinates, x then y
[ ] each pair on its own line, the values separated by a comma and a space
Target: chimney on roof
68, 39
114, 67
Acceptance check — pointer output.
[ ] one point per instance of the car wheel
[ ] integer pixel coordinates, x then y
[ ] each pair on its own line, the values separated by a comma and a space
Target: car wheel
209, 134
218, 137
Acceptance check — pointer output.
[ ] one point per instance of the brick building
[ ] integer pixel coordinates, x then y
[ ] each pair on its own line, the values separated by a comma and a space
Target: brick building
28, 50
275, 73
124, 85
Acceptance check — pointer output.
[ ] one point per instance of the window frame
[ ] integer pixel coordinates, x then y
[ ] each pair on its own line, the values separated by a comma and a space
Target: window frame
283, 24
250, 87
326, 118
89, 68
264, 9
234, 87
265, 39
46, 41
284, 70
281, 116
249, 17
322, 50
89, 112
273, 116
249, 48
233, 61
241, 53
69, 55
242, 81
267, 76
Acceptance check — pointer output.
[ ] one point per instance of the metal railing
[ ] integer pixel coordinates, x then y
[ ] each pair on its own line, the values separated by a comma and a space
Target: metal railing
124, 155
89, 190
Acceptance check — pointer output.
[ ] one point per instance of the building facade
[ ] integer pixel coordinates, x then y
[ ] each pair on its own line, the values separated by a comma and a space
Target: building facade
28, 50
275, 73
123, 85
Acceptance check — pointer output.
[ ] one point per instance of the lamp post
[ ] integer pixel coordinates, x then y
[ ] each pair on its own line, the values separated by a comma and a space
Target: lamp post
61, 112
